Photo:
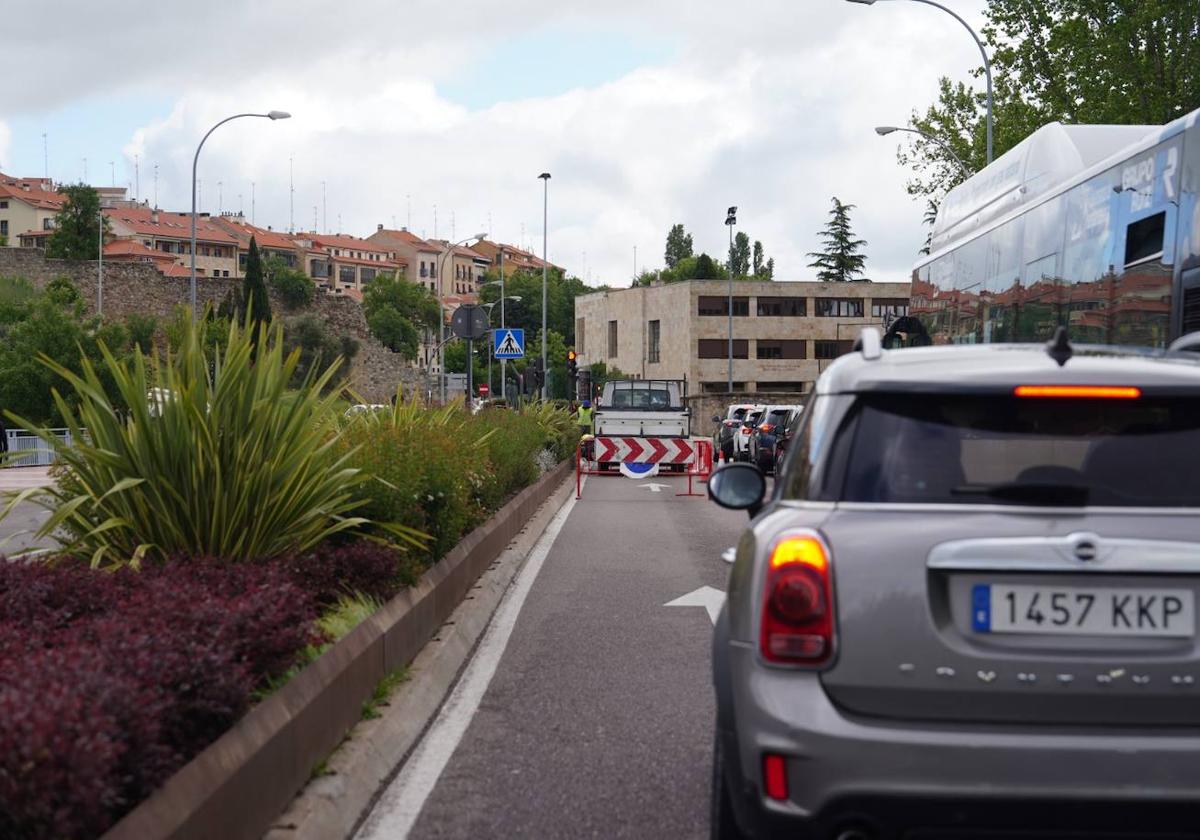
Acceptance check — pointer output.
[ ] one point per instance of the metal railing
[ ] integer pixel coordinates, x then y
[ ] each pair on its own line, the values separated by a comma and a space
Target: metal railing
40, 453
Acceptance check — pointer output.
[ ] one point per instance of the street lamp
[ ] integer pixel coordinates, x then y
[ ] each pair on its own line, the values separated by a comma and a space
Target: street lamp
545, 176
442, 310
730, 221
270, 115
884, 130
987, 64
489, 307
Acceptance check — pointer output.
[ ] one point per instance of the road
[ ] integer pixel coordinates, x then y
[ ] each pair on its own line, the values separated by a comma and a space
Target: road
597, 721
16, 530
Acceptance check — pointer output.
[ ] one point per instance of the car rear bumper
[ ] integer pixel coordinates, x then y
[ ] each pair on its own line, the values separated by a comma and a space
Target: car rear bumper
845, 770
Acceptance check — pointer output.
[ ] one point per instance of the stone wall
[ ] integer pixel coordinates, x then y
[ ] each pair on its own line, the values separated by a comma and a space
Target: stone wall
131, 288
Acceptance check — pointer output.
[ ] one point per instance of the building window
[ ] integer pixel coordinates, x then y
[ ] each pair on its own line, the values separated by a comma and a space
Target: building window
347, 274
831, 349
321, 268
579, 344
839, 307
781, 349
3, 227
47, 224
424, 272
718, 348
3, 205
714, 305
721, 387
366, 275
791, 307
612, 339
242, 261
883, 307
793, 386
652, 352
224, 273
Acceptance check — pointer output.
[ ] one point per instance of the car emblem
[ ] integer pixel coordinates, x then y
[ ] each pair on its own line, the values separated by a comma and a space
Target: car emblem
986, 676
1085, 550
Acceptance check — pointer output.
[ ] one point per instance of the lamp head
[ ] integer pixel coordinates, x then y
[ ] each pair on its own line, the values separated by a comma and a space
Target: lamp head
479, 236
863, 2
545, 176
279, 115
884, 130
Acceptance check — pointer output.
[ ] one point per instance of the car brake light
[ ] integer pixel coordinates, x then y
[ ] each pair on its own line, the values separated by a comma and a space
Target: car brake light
1109, 392
766, 428
797, 611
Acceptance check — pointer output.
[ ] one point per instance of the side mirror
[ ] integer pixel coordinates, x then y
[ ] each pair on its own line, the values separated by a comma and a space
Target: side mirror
738, 487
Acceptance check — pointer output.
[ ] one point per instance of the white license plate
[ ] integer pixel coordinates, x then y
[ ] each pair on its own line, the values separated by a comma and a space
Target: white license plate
1082, 611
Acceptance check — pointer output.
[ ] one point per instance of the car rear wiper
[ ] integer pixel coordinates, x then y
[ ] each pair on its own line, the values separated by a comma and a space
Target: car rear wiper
1067, 495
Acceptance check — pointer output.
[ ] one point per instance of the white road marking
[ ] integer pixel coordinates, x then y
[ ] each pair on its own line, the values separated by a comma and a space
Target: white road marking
397, 810
655, 488
711, 599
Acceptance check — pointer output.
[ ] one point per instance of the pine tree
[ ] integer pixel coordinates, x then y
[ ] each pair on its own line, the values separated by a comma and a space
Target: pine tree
758, 258
840, 261
679, 246
254, 291
769, 271
77, 226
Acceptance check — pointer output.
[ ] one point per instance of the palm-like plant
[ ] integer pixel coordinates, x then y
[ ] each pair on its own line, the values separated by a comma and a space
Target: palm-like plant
215, 457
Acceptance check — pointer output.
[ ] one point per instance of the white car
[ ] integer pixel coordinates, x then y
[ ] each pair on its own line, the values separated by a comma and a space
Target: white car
742, 434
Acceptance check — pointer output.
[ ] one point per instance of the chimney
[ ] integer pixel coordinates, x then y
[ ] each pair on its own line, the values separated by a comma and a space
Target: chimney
154, 215
379, 227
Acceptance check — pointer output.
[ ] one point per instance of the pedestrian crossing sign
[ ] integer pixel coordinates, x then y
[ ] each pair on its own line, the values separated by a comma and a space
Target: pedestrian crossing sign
508, 344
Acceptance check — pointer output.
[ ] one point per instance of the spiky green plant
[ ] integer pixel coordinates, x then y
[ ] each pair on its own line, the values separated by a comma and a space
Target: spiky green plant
215, 457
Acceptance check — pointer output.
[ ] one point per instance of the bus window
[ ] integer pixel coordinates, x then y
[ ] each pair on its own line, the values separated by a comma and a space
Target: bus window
1144, 239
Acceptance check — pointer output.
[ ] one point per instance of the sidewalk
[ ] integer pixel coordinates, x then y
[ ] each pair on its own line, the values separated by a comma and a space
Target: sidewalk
22, 478
26, 517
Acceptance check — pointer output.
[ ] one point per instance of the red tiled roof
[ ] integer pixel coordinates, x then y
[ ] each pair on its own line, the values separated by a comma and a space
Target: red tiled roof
265, 238
36, 196
169, 225
133, 248
410, 238
36, 234
343, 241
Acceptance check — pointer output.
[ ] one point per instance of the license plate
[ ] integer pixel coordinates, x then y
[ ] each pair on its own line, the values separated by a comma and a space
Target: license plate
1082, 611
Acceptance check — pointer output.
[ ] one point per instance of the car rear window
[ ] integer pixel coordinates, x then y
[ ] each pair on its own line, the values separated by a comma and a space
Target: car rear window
999, 449
651, 398
779, 416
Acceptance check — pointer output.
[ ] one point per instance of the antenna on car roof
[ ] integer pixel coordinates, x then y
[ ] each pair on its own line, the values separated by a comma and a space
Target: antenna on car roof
1059, 347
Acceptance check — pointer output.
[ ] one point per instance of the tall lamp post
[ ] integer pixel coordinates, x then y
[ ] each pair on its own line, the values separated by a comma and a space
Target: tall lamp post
545, 176
442, 311
270, 115
987, 64
884, 130
730, 221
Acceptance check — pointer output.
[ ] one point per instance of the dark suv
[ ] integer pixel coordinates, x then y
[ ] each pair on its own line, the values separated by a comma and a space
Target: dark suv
970, 604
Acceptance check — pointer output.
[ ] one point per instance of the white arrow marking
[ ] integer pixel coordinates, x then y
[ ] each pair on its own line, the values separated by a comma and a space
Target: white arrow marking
655, 488
729, 554
707, 597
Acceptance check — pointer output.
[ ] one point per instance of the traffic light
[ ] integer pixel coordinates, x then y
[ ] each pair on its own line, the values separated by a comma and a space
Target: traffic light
572, 365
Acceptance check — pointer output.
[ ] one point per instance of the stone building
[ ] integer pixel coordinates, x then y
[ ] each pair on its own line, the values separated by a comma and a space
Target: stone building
784, 334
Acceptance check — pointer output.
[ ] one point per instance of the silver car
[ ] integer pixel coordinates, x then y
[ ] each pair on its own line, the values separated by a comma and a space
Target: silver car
969, 604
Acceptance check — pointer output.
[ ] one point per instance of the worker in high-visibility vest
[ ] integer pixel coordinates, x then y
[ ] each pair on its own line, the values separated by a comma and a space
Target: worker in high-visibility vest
583, 416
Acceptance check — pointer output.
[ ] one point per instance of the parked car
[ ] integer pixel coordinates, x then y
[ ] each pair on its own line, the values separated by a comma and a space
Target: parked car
765, 436
971, 605
727, 427
743, 432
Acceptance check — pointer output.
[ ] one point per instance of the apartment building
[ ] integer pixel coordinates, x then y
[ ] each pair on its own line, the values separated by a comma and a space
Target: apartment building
27, 205
784, 334
170, 233
342, 264
510, 256
420, 256
271, 243
462, 269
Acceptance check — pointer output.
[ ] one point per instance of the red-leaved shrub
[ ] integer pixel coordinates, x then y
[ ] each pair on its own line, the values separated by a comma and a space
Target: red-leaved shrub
363, 566
103, 697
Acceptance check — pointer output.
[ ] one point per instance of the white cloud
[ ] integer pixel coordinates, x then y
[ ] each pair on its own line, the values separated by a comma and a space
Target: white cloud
769, 107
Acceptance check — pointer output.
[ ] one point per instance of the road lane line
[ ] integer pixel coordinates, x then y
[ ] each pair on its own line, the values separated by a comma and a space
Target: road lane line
398, 808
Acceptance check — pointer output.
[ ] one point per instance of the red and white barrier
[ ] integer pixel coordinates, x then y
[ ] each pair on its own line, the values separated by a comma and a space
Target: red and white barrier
644, 450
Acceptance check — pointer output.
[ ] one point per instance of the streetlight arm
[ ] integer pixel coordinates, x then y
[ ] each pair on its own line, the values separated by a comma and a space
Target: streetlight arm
987, 65
934, 139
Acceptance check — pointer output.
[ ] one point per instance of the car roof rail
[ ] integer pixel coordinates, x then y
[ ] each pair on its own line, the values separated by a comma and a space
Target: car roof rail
869, 343
1191, 342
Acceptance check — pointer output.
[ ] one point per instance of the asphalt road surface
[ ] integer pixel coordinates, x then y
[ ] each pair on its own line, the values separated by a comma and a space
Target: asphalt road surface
16, 529
597, 720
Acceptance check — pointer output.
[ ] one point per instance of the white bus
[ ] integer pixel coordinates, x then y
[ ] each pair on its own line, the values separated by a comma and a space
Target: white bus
1093, 227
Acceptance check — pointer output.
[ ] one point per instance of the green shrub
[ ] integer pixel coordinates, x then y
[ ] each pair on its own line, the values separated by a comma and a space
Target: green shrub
221, 460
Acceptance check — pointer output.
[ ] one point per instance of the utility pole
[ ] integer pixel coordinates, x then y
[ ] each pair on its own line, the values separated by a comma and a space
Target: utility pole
324, 211
251, 202
156, 186
137, 180
545, 178
112, 173
220, 197
45, 156
291, 194
100, 269
730, 222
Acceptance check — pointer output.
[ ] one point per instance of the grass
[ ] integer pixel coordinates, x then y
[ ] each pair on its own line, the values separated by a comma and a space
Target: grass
382, 692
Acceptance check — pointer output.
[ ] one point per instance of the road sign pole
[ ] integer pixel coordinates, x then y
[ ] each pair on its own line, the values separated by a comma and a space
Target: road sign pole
470, 371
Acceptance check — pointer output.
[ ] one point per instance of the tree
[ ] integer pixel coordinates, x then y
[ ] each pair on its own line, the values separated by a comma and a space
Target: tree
758, 258
77, 226
769, 270
293, 286
739, 256
398, 312
318, 348
841, 260
679, 246
561, 291
1074, 61
254, 292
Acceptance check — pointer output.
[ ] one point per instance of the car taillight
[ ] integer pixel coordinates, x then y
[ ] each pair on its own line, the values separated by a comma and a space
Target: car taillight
797, 611
766, 428
1091, 392
746, 430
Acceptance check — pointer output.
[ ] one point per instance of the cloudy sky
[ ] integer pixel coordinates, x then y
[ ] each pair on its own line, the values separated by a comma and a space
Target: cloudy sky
440, 114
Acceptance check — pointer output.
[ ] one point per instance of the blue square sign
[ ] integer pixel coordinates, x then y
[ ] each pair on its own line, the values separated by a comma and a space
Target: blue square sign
508, 343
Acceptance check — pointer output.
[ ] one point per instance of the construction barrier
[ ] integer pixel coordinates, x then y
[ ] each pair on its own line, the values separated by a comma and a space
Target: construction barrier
695, 456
